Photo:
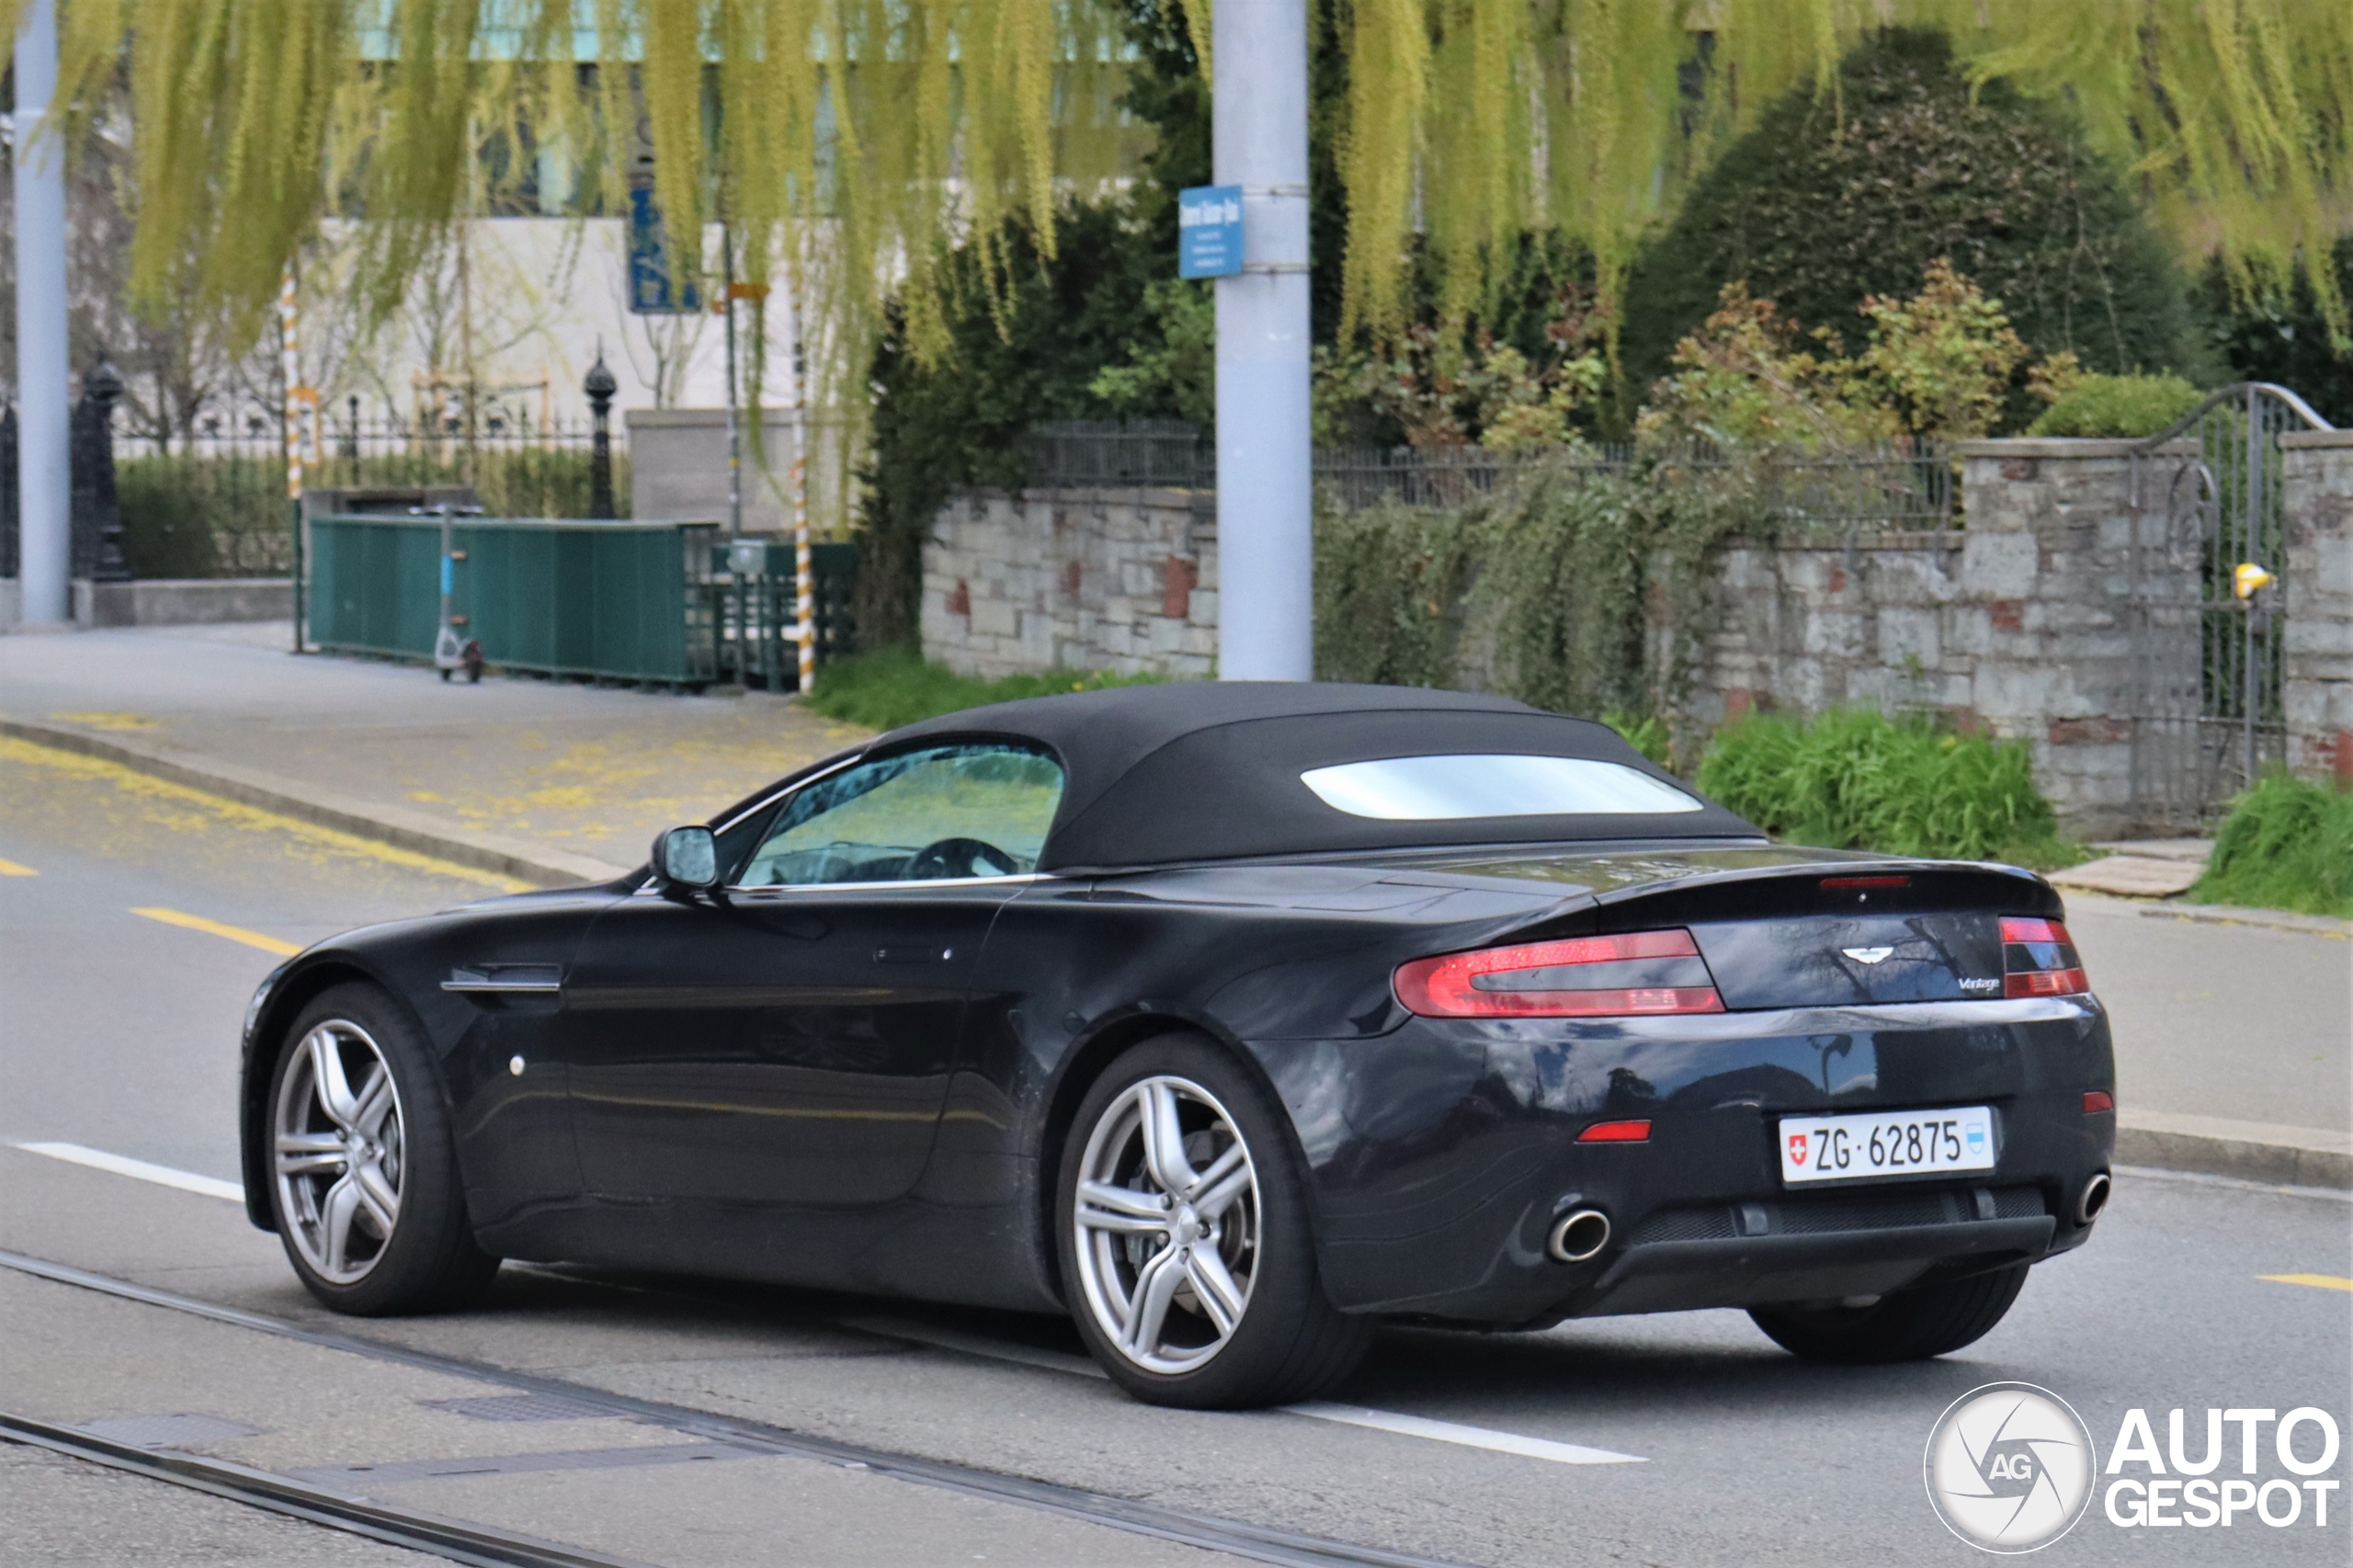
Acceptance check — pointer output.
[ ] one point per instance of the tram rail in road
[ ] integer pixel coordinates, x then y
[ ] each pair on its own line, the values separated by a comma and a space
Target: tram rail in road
339, 1509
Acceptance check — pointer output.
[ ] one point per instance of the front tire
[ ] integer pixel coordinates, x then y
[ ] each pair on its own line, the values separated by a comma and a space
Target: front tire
1187, 1254
1912, 1324
364, 1181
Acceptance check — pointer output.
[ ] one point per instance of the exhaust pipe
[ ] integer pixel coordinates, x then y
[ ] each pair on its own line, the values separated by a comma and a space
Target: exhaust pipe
2094, 1198
1579, 1237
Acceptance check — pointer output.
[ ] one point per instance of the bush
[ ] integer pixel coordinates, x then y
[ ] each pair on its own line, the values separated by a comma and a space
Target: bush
2288, 844
895, 686
2285, 338
1832, 199
223, 517
1854, 779
2117, 405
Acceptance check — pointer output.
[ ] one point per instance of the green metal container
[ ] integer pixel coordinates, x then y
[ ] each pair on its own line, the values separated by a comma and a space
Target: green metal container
612, 600
754, 595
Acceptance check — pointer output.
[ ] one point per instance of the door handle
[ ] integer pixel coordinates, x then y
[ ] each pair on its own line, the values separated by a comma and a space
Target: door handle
912, 955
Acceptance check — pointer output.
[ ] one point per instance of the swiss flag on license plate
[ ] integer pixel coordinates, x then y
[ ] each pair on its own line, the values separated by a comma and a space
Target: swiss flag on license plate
1796, 1148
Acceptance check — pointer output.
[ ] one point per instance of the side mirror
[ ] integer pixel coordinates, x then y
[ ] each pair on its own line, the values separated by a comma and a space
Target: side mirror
686, 859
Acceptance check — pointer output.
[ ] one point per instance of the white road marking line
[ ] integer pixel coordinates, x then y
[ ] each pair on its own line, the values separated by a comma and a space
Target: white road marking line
140, 1170
1390, 1420
1455, 1432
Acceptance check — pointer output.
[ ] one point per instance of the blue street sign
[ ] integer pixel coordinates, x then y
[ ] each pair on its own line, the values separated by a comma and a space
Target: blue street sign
1208, 231
651, 291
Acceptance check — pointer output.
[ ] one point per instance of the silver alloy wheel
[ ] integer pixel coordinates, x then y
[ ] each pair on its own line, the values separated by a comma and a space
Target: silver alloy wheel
338, 1150
1167, 1215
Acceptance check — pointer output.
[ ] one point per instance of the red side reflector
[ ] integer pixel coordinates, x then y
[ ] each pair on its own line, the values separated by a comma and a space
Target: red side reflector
2039, 960
1866, 882
1616, 1133
2097, 1100
1447, 986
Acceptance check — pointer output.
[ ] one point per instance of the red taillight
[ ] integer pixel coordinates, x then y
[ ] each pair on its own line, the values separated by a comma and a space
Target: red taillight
2039, 960
1578, 977
1866, 882
2097, 1101
1616, 1133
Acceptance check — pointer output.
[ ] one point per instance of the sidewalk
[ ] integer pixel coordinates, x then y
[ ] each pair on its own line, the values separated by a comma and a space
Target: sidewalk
2234, 1033
546, 780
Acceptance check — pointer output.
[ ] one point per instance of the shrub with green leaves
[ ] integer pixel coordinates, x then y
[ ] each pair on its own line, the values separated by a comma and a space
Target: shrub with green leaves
895, 685
1855, 779
2117, 405
1836, 195
2288, 844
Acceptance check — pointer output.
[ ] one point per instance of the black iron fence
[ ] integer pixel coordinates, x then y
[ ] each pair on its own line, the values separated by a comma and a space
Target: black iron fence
211, 500
1888, 486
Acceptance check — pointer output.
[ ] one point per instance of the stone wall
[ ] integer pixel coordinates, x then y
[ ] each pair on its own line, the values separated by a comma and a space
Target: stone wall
1121, 580
2317, 682
2064, 614
2024, 624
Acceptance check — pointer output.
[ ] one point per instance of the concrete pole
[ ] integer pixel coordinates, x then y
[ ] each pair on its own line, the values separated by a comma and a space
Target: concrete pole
1265, 451
44, 402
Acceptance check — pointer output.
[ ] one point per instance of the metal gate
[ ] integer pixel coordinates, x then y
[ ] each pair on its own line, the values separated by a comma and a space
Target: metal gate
2205, 609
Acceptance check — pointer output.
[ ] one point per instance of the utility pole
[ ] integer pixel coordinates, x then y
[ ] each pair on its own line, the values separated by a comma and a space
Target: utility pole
1265, 441
804, 574
291, 365
45, 473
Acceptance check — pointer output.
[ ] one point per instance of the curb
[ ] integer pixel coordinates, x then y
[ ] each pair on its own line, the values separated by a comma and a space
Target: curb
400, 828
2249, 1150
2210, 914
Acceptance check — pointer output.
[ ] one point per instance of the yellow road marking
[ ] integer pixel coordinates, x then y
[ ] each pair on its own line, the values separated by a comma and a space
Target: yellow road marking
10, 869
109, 721
130, 781
235, 933
2324, 1282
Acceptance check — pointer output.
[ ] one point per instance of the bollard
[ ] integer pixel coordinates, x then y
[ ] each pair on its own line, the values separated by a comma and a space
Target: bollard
96, 510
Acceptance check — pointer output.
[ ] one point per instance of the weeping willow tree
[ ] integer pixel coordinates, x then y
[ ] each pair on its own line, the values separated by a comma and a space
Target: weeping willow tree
1475, 119
845, 142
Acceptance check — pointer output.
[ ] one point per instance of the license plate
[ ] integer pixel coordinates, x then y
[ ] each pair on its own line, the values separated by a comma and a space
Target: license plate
1886, 1143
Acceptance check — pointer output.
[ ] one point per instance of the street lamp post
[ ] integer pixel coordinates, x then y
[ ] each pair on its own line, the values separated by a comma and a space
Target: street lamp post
1265, 445
45, 484
600, 387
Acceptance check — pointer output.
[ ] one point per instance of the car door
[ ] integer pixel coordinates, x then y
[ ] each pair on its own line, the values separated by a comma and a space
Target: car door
787, 1042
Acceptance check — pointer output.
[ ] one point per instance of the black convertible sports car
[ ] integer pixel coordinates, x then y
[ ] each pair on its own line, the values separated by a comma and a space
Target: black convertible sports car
1231, 1018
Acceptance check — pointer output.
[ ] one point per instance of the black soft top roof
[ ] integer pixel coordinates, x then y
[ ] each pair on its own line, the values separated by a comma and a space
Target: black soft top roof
1208, 771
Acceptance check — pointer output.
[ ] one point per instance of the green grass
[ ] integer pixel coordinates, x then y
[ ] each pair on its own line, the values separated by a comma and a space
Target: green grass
1854, 779
895, 686
2288, 844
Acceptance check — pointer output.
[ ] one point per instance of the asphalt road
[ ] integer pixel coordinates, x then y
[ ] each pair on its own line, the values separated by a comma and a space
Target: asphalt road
118, 1038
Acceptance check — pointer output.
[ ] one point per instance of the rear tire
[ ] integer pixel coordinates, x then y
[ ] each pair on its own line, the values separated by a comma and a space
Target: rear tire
1904, 1326
1245, 1322
364, 1182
